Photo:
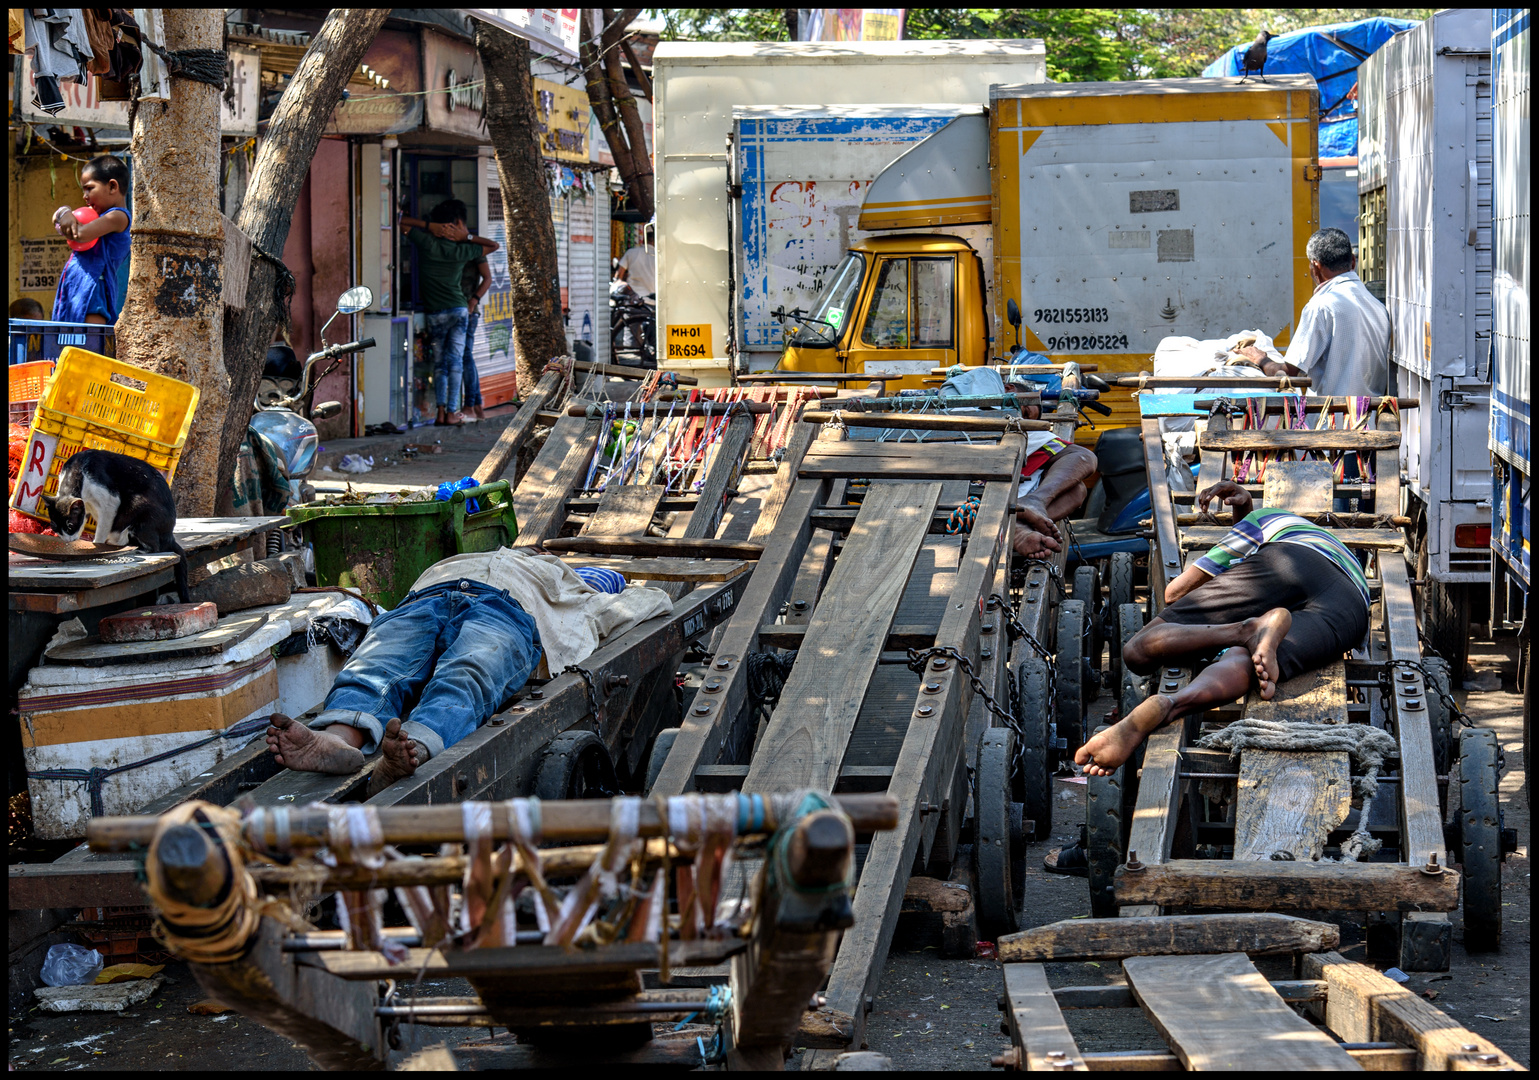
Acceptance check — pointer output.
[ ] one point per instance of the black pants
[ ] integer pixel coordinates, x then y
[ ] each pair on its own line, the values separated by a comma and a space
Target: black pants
1329, 616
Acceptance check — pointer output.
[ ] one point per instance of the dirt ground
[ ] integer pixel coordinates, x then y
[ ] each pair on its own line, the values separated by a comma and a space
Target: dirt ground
929, 1013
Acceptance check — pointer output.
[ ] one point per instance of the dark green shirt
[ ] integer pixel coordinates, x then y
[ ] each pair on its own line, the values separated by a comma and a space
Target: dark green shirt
440, 269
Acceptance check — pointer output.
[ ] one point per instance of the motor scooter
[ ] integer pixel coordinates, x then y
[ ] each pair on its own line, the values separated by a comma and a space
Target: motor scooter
281, 431
632, 327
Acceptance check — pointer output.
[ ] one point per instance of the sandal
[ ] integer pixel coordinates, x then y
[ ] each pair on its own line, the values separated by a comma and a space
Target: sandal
1067, 860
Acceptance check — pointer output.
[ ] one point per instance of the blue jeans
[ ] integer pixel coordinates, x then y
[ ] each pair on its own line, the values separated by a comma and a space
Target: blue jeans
464, 647
471, 380
446, 350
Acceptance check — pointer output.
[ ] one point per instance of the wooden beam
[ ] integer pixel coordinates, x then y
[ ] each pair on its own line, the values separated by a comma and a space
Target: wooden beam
1259, 934
696, 408
1362, 1005
927, 421
624, 510
549, 513
1272, 886
1345, 520
1167, 546
628, 372
1036, 1025
657, 547
696, 570
542, 471
1201, 538
497, 459
1373, 1057
1290, 801
1295, 991
1144, 381
908, 461
785, 479
901, 636
1318, 439
1219, 1013
524, 961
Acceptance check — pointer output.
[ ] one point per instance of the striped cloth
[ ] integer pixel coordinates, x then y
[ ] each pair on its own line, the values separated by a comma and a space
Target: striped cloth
1269, 526
601, 579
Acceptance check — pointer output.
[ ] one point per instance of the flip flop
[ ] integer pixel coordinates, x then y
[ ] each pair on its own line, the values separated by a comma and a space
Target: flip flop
1067, 860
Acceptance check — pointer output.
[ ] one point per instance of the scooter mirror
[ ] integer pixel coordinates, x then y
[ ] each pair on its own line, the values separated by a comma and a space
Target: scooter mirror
355, 299
1013, 312
325, 410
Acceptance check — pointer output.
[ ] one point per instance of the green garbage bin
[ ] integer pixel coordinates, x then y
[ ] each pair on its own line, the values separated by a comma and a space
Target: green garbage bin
380, 549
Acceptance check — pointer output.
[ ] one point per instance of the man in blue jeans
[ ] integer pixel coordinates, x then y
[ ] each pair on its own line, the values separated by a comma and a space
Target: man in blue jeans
465, 639
475, 282
444, 247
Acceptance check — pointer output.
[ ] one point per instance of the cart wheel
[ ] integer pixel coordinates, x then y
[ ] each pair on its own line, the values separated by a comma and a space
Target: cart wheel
994, 850
1104, 837
1071, 678
1119, 591
575, 765
662, 746
1134, 687
1034, 783
1480, 840
1087, 587
1439, 682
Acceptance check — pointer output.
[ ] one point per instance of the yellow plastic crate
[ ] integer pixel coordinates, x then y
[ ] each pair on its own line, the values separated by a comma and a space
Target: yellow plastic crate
94, 402
27, 382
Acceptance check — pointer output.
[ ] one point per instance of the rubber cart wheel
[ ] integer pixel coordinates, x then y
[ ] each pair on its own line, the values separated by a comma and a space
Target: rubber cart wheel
1071, 680
1439, 681
1104, 834
994, 847
575, 765
1034, 783
661, 747
1087, 587
1480, 840
1119, 591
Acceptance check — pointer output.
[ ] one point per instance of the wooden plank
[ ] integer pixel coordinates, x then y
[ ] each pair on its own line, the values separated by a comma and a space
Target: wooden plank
549, 513
1326, 439
524, 960
1289, 886
624, 510
668, 569
1277, 383
655, 546
35, 574
806, 737
937, 421
1121, 997
1362, 1005
785, 479
1301, 487
1418, 790
1037, 1025
542, 471
901, 636
1167, 548
92, 652
1200, 538
909, 461
1218, 1012
1315, 697
1380, 1057
925, 769
1289, 801
505, 451
1259, 934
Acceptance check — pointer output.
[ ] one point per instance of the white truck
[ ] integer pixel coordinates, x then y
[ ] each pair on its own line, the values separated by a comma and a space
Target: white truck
718, 104
1424, 169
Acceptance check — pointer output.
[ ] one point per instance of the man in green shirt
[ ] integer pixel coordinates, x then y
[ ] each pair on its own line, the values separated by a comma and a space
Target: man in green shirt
444, 246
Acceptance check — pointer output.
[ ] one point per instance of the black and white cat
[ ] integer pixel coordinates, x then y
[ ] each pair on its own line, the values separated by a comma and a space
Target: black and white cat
128, 499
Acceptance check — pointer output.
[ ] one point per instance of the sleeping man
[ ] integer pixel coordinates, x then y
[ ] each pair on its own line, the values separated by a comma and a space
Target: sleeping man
1277, 597
465, 639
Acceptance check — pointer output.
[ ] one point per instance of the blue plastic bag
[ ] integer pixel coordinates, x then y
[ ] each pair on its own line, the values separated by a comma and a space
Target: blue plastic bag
447, 489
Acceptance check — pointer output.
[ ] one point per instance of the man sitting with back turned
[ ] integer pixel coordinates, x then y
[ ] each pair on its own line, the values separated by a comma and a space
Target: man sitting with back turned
465, 639
1277, 595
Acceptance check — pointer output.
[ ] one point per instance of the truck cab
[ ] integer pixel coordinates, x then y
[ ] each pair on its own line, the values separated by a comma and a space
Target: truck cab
899, 304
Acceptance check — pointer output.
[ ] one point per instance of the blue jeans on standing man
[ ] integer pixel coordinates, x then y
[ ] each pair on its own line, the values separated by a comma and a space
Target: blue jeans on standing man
446, 350
470, 380
459, 649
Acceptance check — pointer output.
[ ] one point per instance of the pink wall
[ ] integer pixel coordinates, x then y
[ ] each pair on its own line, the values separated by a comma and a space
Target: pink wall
332, 260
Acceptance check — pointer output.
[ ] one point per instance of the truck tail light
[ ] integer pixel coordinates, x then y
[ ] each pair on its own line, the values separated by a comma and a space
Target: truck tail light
1472, 536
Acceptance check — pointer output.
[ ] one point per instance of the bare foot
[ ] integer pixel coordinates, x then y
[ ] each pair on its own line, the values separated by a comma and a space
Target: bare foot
399, 758
1262, 636
1032, 544
295, 746
1033, 513
1105, 752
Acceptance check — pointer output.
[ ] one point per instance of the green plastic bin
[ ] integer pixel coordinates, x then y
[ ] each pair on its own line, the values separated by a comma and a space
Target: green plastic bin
380, 550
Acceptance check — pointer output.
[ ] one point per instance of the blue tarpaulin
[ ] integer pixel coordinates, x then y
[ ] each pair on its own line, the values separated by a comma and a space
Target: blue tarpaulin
1333, 63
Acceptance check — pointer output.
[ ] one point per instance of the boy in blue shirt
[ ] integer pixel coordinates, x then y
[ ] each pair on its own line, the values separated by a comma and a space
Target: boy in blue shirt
93, 282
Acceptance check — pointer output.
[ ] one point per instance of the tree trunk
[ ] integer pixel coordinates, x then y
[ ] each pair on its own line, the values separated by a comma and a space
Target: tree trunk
630, 153
173, 312
283, 161
640, 180
539, 331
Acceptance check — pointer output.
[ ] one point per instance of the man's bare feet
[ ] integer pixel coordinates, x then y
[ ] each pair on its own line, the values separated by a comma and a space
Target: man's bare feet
295, 746
1032, 544
1262, 636
398, 758
1105, 751
1034, 514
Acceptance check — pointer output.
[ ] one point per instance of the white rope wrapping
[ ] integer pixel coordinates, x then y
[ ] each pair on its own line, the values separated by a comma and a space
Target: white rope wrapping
1367, 745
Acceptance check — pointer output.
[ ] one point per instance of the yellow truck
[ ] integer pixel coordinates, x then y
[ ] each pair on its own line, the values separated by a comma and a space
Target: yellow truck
1119, 213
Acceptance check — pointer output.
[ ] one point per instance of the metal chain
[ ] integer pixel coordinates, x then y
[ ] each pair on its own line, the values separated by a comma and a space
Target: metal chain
1431, 685
587, 677
1015, 630
918, 658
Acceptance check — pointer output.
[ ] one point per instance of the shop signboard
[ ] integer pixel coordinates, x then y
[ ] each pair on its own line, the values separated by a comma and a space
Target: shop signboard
372, 109
556, 28
562, 112
456, 86
83, 108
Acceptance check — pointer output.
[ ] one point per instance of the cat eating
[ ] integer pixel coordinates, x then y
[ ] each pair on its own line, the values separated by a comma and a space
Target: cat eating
128, 499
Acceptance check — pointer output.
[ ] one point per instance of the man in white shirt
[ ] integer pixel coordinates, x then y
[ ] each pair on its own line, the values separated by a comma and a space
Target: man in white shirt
638, 267
1342, 341
465, 639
